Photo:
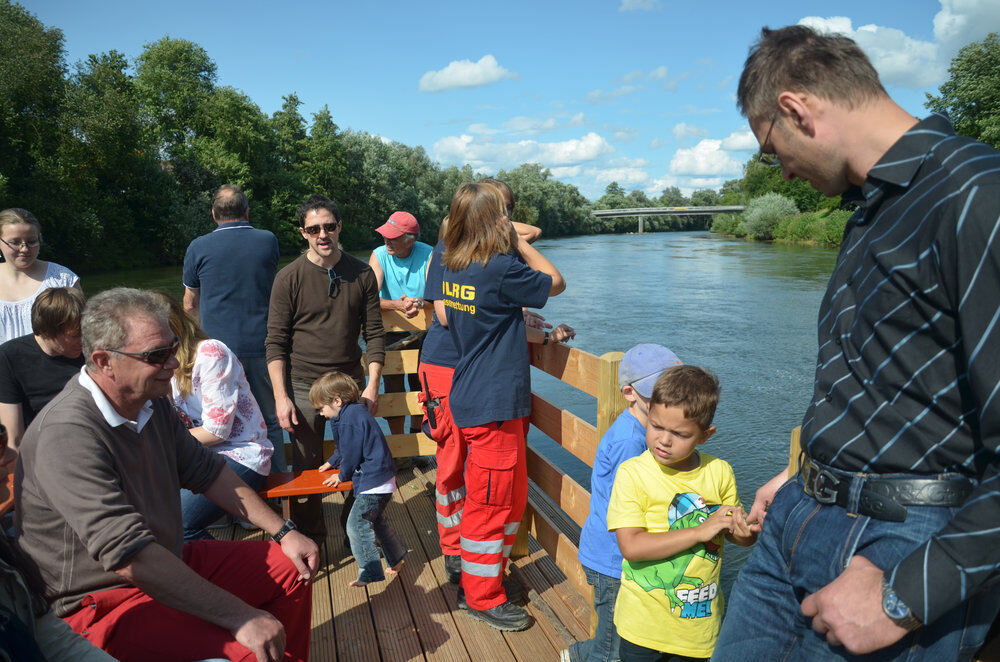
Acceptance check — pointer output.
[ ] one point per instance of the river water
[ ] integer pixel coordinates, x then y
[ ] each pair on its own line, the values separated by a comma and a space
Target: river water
745, 310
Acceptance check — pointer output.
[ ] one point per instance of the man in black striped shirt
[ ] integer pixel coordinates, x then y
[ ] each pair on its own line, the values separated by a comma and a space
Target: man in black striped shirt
888, 540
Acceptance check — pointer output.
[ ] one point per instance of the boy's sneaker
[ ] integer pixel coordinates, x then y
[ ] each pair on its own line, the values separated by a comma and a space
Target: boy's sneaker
453, 566
507, 616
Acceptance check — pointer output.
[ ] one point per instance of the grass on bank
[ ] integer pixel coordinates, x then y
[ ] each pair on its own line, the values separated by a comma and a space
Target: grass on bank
824, 227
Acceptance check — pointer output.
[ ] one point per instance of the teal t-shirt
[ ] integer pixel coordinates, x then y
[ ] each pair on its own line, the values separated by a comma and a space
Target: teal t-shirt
403, 276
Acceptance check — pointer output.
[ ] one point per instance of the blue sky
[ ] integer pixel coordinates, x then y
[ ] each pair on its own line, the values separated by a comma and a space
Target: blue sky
636, 91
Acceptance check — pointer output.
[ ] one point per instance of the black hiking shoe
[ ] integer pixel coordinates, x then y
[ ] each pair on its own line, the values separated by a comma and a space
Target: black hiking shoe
507, 616
453, 566
513, 589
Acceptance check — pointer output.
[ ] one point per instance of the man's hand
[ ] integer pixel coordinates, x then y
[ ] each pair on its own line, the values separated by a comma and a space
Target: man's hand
411, 306
263, 635
285, 410
562, 333
303, 552
763, 499
332, 481
849, 612
534, 320
370, 396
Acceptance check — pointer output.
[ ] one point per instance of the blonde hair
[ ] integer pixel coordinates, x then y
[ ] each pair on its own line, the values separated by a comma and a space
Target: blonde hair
477, 227
190, 334
693, 389
16, 215
333, 384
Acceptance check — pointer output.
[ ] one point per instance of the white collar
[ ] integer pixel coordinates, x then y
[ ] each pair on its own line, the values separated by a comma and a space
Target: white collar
113, 418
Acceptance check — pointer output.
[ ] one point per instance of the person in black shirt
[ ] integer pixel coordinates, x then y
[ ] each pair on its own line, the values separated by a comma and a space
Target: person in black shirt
888, 539
34, 368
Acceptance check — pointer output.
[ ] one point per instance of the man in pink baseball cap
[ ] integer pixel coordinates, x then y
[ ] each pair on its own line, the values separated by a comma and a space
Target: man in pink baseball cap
400, 267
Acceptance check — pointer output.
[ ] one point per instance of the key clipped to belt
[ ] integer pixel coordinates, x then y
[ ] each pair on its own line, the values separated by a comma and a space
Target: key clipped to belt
430, 403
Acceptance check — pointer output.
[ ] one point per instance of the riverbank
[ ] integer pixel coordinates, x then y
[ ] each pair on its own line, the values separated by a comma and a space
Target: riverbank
823, 228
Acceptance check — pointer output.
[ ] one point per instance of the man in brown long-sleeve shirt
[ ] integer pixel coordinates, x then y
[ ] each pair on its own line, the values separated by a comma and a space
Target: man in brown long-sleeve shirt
320, 304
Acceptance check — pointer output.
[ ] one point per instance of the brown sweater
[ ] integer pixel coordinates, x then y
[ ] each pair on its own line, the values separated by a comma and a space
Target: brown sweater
314, 332
89, 497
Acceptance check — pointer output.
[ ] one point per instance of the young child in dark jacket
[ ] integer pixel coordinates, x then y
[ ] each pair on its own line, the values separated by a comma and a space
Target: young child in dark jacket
364, 458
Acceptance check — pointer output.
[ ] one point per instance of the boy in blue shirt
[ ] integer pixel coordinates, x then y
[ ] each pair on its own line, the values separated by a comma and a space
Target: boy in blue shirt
599, 554
364, 457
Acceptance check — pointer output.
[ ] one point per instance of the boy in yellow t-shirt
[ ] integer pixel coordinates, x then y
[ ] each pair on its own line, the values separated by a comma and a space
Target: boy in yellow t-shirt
670, 508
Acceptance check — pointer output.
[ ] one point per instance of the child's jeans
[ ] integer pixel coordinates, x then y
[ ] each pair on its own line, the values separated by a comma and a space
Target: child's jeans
366, 523
635, 653
604, 646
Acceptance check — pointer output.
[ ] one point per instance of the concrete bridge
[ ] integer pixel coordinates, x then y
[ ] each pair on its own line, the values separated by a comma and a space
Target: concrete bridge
668, 211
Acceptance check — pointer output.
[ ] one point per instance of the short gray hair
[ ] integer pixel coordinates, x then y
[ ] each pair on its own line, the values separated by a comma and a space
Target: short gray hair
105, 319
410, 236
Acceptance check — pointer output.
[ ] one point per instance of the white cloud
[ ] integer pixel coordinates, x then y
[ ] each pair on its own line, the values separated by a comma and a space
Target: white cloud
706, 182
684, 131
482, 129
464, 73
565, 171
659, 73
631, 77
639, 5
724, 83
740, 141
628, 177
532, 125
898, 58
464, 149
705, 158
694, 110
962, 21
656, 143
600, 96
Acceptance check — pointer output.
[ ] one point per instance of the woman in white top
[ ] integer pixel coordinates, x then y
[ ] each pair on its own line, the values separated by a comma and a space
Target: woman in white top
211, 394
22, 275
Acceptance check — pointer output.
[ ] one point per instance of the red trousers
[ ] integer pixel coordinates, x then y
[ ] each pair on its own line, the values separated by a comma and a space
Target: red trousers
450, 455
130, 625
496, 479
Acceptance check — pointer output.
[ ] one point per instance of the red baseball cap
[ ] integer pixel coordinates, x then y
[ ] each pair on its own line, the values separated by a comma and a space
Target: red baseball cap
400, 223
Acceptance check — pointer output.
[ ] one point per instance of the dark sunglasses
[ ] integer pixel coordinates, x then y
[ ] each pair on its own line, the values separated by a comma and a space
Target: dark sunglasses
334, 283
313, 230
157, 357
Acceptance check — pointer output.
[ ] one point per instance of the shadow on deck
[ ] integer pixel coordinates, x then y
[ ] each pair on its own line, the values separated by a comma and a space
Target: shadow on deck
414, 615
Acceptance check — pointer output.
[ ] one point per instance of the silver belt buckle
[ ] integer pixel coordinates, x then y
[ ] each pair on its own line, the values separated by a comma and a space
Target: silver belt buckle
822, 484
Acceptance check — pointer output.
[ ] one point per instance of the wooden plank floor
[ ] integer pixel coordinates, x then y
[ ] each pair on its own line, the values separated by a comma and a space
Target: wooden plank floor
414, 616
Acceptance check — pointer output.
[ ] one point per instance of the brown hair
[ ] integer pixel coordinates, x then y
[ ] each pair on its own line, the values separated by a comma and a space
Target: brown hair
799, 59
477, 227
229, 203
694, 389
317, 201
333, 384
15, 215
190, 334
57, 310
506, 191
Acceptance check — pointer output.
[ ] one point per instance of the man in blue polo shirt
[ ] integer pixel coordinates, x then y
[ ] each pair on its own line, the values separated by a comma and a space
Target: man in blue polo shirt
228, 275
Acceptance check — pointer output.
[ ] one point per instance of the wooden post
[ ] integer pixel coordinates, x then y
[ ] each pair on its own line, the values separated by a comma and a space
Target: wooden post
610, 401
520, 547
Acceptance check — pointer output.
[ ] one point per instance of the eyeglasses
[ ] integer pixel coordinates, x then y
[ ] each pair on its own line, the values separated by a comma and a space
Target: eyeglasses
313, 230
334, 283
157, 357
21, 245
770, 160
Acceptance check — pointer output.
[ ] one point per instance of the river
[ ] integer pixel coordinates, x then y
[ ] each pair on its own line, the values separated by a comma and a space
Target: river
745, 310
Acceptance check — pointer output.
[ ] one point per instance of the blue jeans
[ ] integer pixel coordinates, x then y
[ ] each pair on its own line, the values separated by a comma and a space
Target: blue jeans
366, 523
803, 547
255, 368
604, 646
198, 512
636, 653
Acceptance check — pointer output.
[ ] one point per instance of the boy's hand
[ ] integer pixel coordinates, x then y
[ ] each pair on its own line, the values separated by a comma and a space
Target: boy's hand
325, 467
721, 521
332, 481
741, 528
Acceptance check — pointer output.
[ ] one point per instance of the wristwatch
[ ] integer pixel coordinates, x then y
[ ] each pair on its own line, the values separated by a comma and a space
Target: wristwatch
546, 341
896, 609
283, 531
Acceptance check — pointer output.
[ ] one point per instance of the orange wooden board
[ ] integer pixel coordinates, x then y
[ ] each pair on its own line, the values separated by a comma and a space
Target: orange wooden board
297, 483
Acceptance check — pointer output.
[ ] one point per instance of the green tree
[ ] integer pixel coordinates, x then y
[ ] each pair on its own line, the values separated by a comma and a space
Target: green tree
971, 96
672, 197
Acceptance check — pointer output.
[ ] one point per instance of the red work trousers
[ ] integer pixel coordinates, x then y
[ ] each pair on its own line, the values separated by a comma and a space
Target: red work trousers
496, 478
130, 625
450, 455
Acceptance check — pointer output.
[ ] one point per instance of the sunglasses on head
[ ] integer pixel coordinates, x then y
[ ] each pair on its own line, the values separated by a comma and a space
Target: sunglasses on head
157, 357
313, 230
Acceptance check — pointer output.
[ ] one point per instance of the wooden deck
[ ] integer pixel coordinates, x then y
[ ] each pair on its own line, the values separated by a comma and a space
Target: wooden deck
414, 616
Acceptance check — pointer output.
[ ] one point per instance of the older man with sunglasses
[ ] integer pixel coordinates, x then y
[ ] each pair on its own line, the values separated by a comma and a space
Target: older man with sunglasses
97, 510
320, 305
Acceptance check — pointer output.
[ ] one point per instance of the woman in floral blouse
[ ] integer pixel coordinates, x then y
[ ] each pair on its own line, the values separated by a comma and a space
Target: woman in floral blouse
211, 394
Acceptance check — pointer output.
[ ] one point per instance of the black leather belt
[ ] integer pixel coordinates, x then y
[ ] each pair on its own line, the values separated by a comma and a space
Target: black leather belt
882, 498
